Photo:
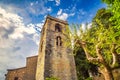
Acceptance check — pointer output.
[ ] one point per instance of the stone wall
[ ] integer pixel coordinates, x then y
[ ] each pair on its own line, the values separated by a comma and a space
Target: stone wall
16, 73
24, 73
31, 68
41, 56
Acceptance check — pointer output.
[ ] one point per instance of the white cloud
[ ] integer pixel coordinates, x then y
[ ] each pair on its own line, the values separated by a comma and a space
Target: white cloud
7, 19
59, 12
36, 2
83, 26
86, 26
38, 28
40, 25
38, 9
19, 32
10, 20
82, 12
72, 14
16, 40
36, 38
73, 8
50, 0
63, 16
31, 4
17, 10
57, 2
89, 25
49, 9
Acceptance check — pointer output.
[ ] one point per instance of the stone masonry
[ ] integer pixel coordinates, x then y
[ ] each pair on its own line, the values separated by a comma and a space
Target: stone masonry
24, 73
54, 58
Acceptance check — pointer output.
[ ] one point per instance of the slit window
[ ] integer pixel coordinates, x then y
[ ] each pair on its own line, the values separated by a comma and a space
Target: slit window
57, 28
41, 46
58, 41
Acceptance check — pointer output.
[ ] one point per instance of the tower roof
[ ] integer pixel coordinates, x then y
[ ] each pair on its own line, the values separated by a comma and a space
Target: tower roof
56, 19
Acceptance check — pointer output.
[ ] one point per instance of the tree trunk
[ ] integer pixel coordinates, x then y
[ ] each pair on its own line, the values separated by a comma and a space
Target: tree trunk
115, 59
107, 72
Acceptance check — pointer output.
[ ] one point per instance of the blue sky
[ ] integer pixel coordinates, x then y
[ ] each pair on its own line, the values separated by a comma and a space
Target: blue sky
83, 10
22, 20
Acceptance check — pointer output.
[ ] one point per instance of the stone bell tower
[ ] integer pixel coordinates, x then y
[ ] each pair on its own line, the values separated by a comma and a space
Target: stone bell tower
54, 58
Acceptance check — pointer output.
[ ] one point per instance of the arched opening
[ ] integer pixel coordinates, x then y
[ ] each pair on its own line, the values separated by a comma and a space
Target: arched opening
57, 28
16, 78
58, 41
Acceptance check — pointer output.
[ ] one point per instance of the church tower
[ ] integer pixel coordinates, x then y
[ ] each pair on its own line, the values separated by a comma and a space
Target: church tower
54, 58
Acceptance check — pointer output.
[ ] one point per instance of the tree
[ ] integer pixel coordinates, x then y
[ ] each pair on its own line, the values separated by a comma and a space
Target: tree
85, 69
114, 7
100, 43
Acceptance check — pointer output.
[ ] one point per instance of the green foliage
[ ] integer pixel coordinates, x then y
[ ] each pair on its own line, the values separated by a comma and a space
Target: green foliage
102, 31
108, 1
89, 78
114, 8
114, 31
68, 39
105, 33
82, 65
102, 18
52, 78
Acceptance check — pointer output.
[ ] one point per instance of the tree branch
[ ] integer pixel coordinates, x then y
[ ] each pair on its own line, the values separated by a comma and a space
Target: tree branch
98, 52
114, 55
88, 56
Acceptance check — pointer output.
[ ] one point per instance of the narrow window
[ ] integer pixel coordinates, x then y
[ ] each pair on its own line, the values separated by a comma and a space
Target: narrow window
58, 41
41, 46
57, 28
16, 78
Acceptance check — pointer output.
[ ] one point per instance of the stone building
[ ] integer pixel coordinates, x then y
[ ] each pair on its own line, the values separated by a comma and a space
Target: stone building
24, 73
54, 58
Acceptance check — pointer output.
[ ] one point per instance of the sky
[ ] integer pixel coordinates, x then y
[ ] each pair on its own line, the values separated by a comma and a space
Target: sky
21, 22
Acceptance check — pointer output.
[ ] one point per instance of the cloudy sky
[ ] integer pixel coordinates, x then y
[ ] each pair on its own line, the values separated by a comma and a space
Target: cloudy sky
21, 22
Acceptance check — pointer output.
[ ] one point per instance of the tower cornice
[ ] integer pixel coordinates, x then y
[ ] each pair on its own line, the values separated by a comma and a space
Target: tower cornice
56, 19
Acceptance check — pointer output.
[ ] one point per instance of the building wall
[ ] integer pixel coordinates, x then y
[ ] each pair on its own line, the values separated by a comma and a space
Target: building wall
20, 73
25, 73
41, 56
31, 68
